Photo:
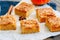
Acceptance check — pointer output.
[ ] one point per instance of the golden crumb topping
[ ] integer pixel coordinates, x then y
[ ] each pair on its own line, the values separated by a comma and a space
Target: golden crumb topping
7, 19
45, 11
25, 6
54, 21
29, 23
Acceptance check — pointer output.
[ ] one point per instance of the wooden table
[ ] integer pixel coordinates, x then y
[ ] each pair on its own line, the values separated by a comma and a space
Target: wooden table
58, 4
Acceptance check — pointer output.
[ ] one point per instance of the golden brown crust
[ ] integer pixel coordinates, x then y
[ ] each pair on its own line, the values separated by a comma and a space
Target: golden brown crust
7, 22
29, 26
24, 7
53, 23
43, 13
7, 19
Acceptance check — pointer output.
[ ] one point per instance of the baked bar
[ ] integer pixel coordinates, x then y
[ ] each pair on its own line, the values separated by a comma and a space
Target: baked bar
29, 26
43, 13
7, 22
24, 9
53, 24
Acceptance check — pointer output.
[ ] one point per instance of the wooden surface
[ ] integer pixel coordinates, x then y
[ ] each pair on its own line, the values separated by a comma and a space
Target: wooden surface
58, 4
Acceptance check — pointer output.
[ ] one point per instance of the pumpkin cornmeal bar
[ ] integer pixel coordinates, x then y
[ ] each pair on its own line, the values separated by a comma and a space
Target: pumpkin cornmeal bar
24, 9
53, 24
43, 13
29, 26
7, 22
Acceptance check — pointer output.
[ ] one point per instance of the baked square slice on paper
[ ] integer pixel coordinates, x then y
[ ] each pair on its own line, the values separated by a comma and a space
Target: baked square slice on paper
24, 9
43, 13
53, 24
7, 22
29, 26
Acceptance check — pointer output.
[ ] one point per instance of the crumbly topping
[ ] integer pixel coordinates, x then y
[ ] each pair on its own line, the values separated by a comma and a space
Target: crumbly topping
7, 19
24, 6
54, 21
45, 11
29, 23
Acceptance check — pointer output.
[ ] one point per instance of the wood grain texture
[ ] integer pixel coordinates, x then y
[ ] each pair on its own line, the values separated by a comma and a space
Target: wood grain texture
58, 4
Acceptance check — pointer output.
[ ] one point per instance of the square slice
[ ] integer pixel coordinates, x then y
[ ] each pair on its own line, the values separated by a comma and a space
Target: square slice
53, 24
29, 26
7, 22
24, 9
43, 13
